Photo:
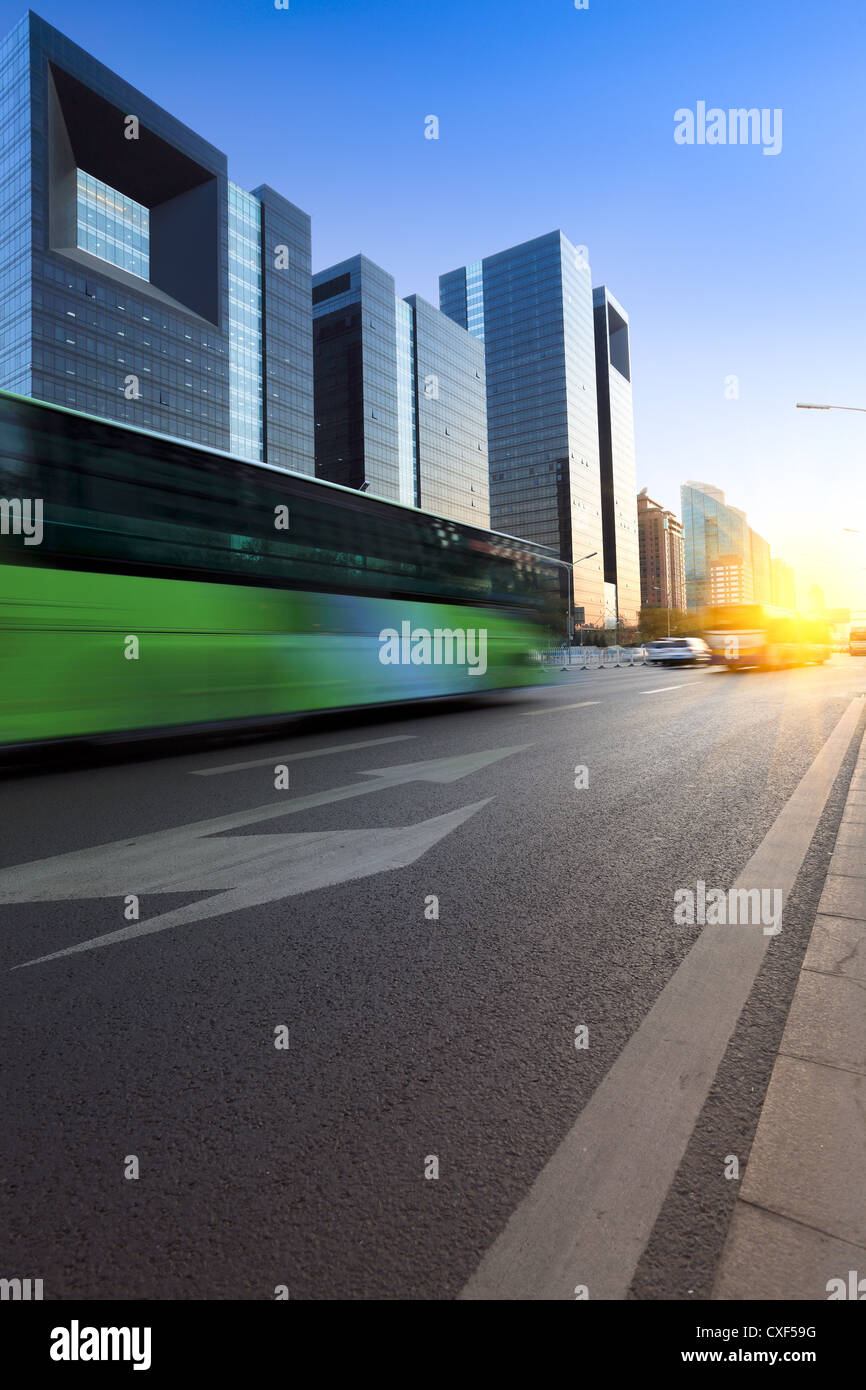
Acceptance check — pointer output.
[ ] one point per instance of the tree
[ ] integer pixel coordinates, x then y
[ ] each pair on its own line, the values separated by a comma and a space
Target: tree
653, 623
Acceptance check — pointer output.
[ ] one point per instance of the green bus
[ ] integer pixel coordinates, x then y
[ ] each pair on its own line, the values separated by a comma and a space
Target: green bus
147, 584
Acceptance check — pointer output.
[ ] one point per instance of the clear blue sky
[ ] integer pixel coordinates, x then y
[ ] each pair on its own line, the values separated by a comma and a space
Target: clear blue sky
729, 261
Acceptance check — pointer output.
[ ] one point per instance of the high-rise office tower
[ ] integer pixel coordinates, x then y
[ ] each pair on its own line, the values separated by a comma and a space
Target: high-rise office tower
711, 529
784, 588
136, 281
662, 555
399, 395
731, 580
616, 453
816, 603
532, 308
759, 557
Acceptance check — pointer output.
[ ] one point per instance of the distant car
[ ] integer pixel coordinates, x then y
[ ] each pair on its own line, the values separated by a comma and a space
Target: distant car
857, 641
670, 651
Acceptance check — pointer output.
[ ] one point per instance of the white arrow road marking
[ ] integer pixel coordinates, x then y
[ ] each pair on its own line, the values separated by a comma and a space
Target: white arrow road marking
252, 868
264, 868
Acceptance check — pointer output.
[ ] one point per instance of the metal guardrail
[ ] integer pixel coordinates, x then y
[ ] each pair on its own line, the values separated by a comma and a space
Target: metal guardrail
593, 658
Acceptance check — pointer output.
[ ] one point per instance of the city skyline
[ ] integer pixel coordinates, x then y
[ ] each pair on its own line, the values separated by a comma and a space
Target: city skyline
432, 716
702, 244
532, 307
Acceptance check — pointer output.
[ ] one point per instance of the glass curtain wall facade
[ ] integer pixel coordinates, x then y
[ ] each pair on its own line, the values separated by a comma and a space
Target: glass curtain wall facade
338, 379
16, 285
759, 557
407, 413
533, 306
452, 417
111, 226
710, 530
783, 585
121, 294
399, 395
357, 404
617, 454
287, 333
245, 322
475, 299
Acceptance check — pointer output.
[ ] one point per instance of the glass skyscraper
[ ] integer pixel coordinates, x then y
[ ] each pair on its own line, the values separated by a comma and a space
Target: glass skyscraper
245, 322
532, 308
762, 575
711, 531
399, 395
617, 454
137, 283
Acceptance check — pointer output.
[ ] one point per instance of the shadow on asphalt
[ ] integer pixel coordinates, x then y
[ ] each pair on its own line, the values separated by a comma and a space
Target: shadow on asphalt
146, 745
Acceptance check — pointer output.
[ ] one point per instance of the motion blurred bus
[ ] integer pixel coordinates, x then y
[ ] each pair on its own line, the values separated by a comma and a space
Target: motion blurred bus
755, 634
149, 585
857, 639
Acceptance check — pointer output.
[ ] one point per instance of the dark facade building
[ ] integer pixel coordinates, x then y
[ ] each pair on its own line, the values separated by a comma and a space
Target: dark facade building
399, 395
532, 308
139, 283
616, 454
662, 555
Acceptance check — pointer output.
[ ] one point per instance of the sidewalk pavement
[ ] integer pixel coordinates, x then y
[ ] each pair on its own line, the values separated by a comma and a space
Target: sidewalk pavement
800, 1217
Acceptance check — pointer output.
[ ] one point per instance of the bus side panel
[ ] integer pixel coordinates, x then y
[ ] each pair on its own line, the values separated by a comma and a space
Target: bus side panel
210, 652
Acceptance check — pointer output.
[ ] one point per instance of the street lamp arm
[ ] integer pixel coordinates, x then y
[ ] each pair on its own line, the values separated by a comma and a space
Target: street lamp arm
554, 559
569, 565
860, 408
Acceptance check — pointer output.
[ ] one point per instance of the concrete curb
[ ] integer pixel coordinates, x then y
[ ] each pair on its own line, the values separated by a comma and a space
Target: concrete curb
800, 1218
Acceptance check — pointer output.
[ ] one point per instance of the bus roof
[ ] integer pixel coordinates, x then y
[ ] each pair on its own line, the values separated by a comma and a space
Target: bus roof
545, 552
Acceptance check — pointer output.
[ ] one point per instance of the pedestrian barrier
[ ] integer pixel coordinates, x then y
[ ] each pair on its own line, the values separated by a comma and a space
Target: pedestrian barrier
593, 658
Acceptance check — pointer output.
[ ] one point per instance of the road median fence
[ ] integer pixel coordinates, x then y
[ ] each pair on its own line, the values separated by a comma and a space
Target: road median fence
593, 658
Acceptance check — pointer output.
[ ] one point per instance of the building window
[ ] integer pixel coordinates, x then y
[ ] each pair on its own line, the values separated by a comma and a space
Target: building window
341, 284
111, 226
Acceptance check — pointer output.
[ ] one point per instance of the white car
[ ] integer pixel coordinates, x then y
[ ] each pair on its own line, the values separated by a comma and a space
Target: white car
678, 651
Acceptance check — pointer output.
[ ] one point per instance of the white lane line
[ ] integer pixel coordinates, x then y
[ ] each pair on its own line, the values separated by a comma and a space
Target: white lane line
660, 689
554, 709
295, 757
591, 1210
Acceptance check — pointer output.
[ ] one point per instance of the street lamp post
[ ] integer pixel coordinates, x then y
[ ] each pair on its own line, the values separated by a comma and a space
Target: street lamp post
590, 556
658, 589
569, 565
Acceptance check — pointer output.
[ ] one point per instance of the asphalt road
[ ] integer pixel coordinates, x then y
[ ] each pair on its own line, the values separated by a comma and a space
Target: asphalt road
409, 1036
